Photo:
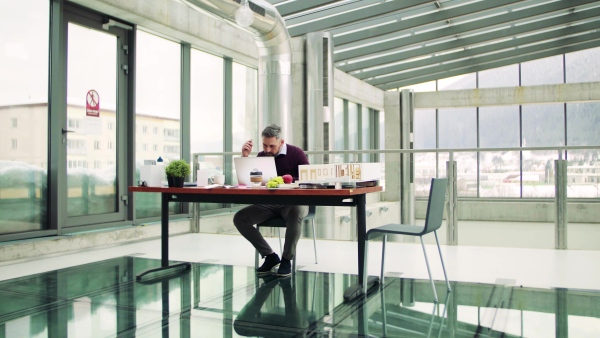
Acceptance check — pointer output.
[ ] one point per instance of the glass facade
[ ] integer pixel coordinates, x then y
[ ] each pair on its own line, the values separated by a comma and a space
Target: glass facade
514, 174
23, 115
221, 121
158, 110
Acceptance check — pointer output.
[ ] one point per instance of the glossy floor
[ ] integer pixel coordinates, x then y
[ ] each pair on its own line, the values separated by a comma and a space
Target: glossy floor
495, 292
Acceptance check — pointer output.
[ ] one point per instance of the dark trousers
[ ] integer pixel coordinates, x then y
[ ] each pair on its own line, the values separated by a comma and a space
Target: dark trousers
245, 219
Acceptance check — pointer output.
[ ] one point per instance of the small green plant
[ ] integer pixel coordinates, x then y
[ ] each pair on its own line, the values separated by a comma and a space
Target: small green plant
178, 168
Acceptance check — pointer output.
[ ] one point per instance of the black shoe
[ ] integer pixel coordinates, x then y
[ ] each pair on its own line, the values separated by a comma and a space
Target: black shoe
285, 268
271, 261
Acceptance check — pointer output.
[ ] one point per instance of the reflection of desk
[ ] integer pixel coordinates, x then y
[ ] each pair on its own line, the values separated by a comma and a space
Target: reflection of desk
324, 197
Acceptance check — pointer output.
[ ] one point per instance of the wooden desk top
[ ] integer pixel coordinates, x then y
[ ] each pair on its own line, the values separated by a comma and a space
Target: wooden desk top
261, 191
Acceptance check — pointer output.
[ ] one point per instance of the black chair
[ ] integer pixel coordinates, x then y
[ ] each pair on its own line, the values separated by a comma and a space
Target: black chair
279, 222
433, 221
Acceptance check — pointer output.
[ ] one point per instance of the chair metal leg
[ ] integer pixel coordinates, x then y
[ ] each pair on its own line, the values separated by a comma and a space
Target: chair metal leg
383, 242
314, 239
429, 270
442, 259
383, 312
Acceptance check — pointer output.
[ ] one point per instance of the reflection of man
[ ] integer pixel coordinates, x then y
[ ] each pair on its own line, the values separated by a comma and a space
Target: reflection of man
257, 320
287, 159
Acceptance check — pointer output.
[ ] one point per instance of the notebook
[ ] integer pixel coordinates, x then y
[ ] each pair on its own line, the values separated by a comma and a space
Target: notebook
244, 165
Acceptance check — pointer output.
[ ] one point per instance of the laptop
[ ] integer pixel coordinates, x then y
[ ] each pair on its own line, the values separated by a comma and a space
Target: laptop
244, 165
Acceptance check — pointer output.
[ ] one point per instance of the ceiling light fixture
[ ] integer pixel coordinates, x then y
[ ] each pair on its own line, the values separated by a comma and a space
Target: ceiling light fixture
244, 15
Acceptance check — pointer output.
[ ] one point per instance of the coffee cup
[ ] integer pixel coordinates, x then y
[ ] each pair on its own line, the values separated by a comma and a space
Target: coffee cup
217, 179
256, 178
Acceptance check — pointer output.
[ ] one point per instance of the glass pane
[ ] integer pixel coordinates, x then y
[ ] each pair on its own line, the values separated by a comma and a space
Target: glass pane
583, 66
158, 110
500, 174
499, 127
583, 124
538, 173
207, 104
421, 87
424, 138
245, 106
583, 174
245, 110
507, 76
352, 129
381, 140
543, 125
366, 133
466, 172
458, 128
23, 115
91, 104
338, 118
543, 71
466, 81
583, 169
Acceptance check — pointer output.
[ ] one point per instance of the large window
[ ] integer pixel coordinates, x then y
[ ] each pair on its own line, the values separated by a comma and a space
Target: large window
23, 115
244, 122
499, 170
542, 72
158, 107
515, 173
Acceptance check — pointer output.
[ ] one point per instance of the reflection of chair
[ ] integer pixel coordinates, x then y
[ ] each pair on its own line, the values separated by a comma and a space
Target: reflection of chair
433, 221
405, 319
279, 222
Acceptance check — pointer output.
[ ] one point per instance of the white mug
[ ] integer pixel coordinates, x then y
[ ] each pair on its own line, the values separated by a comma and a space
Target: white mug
217, 179
204, 177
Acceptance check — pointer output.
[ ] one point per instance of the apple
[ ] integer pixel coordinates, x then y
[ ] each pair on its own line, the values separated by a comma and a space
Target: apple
287, 178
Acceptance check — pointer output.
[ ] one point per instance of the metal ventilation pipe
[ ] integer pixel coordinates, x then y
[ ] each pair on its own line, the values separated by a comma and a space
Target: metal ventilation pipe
275, 57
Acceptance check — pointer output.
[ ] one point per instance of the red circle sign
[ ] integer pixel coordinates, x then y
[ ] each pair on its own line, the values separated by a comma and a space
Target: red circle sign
92, 103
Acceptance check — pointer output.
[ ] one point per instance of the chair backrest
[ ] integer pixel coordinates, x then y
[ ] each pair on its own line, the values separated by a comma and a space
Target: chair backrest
435, 205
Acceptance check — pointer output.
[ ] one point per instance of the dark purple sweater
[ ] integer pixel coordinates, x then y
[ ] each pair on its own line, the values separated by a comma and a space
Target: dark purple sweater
288, 163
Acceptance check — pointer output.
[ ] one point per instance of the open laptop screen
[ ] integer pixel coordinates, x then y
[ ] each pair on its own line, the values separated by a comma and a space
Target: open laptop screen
244, 165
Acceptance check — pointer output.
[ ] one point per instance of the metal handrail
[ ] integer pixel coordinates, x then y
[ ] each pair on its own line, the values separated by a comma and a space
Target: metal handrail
394, 151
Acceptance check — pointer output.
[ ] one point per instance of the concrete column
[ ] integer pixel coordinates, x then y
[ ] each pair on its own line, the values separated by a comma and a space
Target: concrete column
392, 141
407, 189
452, 215
560, 220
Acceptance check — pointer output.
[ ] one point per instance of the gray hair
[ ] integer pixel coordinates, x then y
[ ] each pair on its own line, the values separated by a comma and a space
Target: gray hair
272, 130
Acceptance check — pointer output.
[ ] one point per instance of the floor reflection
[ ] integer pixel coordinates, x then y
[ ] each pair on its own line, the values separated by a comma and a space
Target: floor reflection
104, 300
259, 318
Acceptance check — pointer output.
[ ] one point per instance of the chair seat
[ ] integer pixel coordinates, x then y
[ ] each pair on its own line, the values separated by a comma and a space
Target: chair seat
398, 229
276, 222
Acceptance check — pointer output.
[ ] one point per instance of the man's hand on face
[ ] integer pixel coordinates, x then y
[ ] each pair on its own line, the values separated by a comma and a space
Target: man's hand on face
247, 148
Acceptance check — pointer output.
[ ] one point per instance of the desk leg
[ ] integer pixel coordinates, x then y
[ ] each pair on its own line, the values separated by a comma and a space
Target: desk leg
164, 241
355, 290
164, 230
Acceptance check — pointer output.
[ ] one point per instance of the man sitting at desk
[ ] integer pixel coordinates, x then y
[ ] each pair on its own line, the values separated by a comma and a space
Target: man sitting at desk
287, 159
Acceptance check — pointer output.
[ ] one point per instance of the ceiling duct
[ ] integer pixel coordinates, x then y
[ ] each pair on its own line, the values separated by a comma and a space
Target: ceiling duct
275, 56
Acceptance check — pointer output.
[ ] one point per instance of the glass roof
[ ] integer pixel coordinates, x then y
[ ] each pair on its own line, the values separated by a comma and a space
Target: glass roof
396, 43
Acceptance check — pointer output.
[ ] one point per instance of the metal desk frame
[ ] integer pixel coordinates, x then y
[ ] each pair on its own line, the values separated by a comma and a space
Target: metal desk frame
323, 197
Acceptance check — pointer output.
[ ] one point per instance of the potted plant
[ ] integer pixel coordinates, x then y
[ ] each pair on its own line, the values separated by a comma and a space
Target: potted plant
176, 172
